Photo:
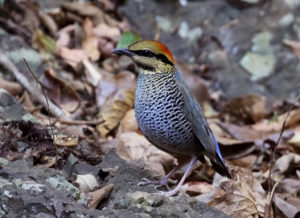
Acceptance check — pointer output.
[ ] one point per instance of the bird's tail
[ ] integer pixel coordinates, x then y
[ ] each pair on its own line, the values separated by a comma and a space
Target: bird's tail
220, 167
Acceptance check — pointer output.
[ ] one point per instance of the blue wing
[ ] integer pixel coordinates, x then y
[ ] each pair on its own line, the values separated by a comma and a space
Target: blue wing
195, 116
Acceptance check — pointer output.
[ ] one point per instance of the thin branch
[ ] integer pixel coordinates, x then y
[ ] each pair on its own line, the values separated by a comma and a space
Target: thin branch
271, 190
43, 90
81, 122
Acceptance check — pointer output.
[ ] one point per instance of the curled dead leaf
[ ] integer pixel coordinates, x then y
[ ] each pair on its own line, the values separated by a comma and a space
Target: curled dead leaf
114, 110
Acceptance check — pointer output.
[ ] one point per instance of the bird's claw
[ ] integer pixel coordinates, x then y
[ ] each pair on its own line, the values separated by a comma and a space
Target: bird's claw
169, 193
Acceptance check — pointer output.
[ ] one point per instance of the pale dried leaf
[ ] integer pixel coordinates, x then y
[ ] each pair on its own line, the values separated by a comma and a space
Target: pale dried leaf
138, 147
65, 141
103, 30
90, 43
128, 123
287, 161
87, 182
244, 195
73, 57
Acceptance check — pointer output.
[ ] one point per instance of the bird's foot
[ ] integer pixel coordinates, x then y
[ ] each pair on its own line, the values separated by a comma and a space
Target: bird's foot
158, 183
170, 193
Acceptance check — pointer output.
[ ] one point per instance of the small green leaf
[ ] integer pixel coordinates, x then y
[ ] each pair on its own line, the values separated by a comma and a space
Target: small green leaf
126, 39
1, 3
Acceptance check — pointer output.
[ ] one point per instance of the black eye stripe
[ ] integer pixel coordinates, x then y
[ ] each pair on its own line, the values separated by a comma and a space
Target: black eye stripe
148, 53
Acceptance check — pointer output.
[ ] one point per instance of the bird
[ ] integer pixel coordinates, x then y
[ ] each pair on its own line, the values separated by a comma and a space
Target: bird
168, 114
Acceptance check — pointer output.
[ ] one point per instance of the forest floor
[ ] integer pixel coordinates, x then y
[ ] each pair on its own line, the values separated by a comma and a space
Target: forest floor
69, 142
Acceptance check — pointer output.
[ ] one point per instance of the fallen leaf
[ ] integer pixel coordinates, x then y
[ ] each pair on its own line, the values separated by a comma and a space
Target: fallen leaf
60, 92
126, 39
244, 195
198, 187
114, 110
93, 74
96, 196
65, 141
288, 205
287, 162
90, 43
267, 125
128, 123
110, 84
249, 108
245, 162
43, 42
138, 147
103, 30
87, 182
12, 87
64, 37
293, 45
73, 57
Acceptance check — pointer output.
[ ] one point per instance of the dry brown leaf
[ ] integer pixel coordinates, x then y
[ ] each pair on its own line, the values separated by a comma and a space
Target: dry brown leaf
93, 74
104, 31
249, 108
294, 45
288, 185
73, 57
138, 147
230, 146
60, 92
65, 141
287, 161
105, 46
114, 109
64, 37
90, 43
87, 9
246, 162
110, 84
128, 123
96, 196
244, 195
288, 205
198, 187
12, 87
275, 126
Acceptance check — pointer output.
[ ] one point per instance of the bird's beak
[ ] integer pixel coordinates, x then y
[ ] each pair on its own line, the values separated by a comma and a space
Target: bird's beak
122, 51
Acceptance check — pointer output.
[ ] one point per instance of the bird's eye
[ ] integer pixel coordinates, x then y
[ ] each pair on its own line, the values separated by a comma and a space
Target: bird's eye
146, 52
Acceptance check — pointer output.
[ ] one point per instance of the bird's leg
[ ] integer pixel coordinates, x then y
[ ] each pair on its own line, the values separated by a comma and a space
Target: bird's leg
161, 182
178, 187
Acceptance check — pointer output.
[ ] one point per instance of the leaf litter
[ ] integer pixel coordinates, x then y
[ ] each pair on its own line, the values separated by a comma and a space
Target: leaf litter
85, 82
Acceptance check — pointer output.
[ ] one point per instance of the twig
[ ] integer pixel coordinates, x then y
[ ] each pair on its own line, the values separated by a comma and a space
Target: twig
47, 102
271, 189
81, 122
53, 109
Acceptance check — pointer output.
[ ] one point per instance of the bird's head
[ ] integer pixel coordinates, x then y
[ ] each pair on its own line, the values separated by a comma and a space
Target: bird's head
150, 56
